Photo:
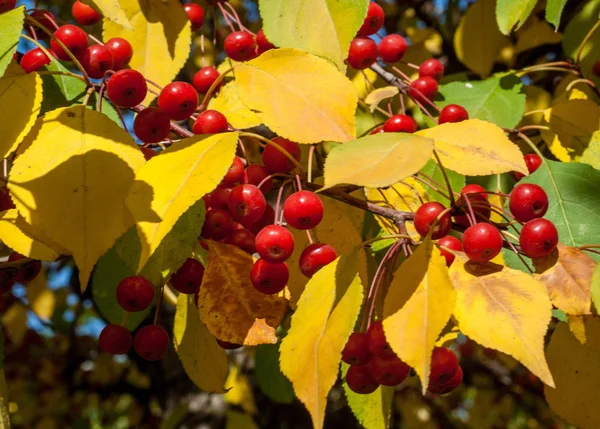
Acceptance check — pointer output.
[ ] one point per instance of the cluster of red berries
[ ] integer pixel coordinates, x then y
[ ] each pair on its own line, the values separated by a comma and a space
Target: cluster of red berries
373, 363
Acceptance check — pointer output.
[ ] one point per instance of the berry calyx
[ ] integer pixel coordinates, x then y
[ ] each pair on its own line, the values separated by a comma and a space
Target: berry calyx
195, 14
178, 100
96, 61
423, 89
444, 365
528, 201
240, 46
274, 243
452, 243
127, 88
135, 293
73, 37
218, 225
356, 351
426, 218
275, 161
538, 238
373, 21
360, 380
151, 125
362, 53
34, 60
84, 14
247, 204
392, 48
235, 173
188, 278
388, 370
115, 339
210, 122
303, 210
449, 386
453, 113
482, 242
262, 42
204, 78
255, 174
400, 124
269, 278
431, 68
151, 342
121, 51
315, 256
376, 341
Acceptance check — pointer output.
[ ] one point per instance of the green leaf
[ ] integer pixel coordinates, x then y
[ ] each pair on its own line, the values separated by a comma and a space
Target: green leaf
574, 204
595, 287
433, 170
499, 100
578, 27
269, 377
11, 24
373, 410
320, 27
511, 13
554, 9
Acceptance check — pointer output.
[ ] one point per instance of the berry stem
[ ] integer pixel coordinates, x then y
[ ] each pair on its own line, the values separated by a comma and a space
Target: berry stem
430, 183
586, 81
237, 18
125, 318
385, 237
311, 152
591, 250
439, 161
514, 249
212, 88
175, 127
263, 141
169, 295
279, 216
587, 37
159, 303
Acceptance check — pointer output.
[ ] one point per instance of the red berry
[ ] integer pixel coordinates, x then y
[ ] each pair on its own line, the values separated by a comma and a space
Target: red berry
360, 380
374, 20
400, 124
449, 386
151, 342
423, 89
269, 278
218, 225
596, 68
388, 370
528, 201
451, 243
6, 5
151, 125
377, 130
444, 365
195, 14
148, 153
45, 18
243, 239
84, 14
356, 351
235, 173
478, 199
6, 202
204, 78
240, 46
255, 174
453, 113
28, 272
228, 346
127, 88
210, 122
135, 293
275, 244
73, 37
432, 68
275, 160
538, 238
427, 215
362, 53
392, 48
179, 100
188, 278
247, 204
115, 339
315, 256
376, 341
219, 198
34, 60
482, 242
303, 210
262, 42
97, 60
268, 218
532, 161
121, 51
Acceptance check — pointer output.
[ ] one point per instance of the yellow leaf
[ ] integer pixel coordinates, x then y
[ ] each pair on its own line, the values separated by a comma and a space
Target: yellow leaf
537, 99
378, 160
536, 32
584, 328
567, 275
111, 10
448, 336
577, 376
20, 237
363, 82
230, 307
299, 96
417, 307
169, 184
203, 360
503, 309
237, 420
15, 322
239, 391
20, 102
72, 180
378, 95
477, 40
577, 117
312, 350
228, 103
41, 299
161, 38
475, 148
